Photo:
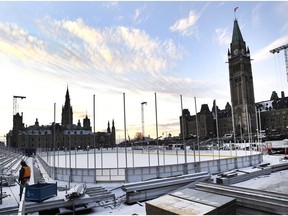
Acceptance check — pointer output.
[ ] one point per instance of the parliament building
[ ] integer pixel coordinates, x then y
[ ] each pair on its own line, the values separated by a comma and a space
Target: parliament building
62, 136
269, 117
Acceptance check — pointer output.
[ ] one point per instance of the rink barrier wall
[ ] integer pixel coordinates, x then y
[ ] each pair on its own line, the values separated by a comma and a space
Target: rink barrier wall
211, 166
88, 175
130, 174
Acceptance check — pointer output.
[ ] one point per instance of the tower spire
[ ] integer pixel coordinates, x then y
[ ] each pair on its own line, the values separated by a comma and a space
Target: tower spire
67, 97
236, 36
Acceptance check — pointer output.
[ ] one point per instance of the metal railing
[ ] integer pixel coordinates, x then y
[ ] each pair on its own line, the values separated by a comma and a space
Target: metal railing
21, 210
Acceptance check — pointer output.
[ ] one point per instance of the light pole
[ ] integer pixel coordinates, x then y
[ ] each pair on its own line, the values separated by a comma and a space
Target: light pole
142, 112
183, 137
143, 129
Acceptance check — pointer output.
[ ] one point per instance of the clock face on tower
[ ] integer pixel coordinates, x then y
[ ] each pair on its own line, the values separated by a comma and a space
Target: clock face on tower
235, 52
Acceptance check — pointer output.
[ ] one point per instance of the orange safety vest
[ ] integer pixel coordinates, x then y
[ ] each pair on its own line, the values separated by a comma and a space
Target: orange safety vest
27, 172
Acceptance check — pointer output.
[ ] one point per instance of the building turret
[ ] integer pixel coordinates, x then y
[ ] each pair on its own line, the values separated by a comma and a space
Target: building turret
113, 135
108, 128
67, 112
86, 123
79, 123
36, 123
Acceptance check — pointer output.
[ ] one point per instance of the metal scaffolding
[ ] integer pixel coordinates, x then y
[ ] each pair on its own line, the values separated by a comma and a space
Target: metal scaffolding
277, 50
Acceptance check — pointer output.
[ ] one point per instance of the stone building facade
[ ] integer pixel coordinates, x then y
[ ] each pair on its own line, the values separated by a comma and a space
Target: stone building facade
274, 115
59, 136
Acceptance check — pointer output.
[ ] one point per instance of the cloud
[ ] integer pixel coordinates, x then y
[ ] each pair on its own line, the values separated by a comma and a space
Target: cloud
284, 28
282, 8
186, 26
281, 11
123, 57
17, 42
139, 15
108, 60
111, 5
116, 59
223, 36
117, 50
256, 12
265, 53
74, 46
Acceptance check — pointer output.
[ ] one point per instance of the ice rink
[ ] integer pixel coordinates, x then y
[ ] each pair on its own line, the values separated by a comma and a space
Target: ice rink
121, 158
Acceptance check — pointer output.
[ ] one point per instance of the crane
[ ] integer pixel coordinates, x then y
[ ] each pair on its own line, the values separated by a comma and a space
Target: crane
285, 48
15, 104
142, 112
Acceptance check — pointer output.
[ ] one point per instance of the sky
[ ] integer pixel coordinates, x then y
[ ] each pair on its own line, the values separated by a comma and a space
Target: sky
136, 50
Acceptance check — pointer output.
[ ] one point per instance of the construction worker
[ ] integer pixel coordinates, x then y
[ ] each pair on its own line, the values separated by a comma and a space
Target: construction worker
24, 176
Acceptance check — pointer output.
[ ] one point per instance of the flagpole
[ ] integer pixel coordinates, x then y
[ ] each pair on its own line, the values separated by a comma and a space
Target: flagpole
257, 124
235, 9
248, 127
94, 144
158, 159
197, 130
184, 143
217, 130
54, 140
233, 123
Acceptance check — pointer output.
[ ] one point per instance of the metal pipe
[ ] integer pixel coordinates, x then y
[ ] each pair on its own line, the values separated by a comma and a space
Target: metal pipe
94, 143
158, 159
54, 140
183, 137
217, 130
125, 130
197, 131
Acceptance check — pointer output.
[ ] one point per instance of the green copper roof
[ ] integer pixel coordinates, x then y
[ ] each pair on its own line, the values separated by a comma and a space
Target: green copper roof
236, 36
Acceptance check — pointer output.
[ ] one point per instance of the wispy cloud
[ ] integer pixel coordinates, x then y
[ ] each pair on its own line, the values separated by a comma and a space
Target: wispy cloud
256, 13
126, 58
220, 4
186, 26
284, 28
118, 49
140, 15
223, 36
114, 5
137, 14
281, 10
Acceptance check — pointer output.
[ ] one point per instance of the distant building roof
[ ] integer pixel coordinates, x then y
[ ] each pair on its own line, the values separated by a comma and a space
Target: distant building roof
77, 132
279, 103
35, 132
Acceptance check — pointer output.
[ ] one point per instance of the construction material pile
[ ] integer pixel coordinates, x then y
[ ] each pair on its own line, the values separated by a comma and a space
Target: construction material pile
76, 191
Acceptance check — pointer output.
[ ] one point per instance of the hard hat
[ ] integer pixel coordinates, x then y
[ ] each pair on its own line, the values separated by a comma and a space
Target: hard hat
23, 162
